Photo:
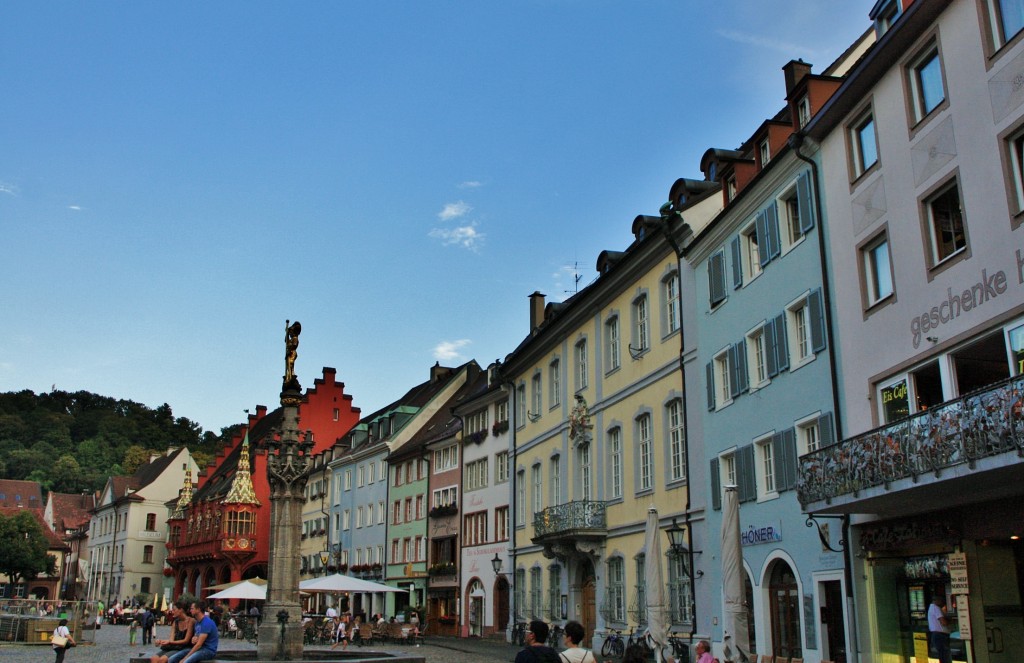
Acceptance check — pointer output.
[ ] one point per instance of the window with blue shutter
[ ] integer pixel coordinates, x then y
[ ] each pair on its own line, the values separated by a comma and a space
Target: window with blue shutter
745, 474
816, 310
716, 278
805, 200
716, 486
770, 341
784, 447
710, 370
826, 430
737, 261
771, 223
739, 367
781, 343
763, 239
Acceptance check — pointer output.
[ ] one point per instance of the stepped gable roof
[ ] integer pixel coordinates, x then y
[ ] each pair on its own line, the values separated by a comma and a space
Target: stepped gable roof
21, 494
71, 511
53, 540
218, 482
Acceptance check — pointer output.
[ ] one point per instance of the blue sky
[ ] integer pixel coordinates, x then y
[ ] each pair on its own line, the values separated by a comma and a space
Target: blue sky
177, 179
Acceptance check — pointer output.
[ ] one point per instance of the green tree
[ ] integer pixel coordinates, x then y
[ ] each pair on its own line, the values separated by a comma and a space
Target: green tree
134, 457
23, 548
67, 476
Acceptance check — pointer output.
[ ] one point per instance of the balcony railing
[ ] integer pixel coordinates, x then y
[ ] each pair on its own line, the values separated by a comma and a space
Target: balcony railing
981, 424
572, 518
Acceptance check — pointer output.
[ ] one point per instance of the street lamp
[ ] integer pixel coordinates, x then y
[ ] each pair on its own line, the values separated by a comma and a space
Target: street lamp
496, 565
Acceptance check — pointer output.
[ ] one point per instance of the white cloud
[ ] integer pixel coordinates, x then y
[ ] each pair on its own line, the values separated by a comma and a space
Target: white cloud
454, 211
448, 351
465, 236
471, 184
8, 189
766, 42
75, 207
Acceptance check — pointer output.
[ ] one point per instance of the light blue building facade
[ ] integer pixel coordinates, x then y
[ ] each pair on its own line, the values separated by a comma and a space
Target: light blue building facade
764, 352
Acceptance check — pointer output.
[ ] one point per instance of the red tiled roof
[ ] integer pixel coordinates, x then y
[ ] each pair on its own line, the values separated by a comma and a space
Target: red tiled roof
71, 511
26, 494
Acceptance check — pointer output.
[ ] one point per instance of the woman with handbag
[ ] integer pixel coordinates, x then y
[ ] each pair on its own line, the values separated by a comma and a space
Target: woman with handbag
62, 640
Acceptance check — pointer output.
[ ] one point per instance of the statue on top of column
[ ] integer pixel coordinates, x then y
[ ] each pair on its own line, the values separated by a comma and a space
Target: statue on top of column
291, 348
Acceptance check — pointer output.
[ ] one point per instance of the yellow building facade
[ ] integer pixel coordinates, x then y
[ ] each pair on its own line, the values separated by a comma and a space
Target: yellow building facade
599, 422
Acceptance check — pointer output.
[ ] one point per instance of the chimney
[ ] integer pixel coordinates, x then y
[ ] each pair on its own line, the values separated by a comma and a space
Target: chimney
795, 70
438, 372
536, 310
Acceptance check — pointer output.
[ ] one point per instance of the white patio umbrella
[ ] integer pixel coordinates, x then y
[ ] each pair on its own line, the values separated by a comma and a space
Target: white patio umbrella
737, 634
657, 617
333, 584
242, 590
225, 585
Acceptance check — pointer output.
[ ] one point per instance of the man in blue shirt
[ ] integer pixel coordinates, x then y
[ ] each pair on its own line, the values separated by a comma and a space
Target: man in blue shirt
205, 640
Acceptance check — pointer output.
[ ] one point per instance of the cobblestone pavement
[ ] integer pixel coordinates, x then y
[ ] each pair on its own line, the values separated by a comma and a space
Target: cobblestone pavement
112, 647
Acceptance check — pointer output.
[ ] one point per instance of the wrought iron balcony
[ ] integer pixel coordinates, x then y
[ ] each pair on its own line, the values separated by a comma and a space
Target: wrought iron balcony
985, 423
582, 518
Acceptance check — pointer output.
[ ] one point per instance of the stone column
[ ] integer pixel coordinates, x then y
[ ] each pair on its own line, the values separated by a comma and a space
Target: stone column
288, 462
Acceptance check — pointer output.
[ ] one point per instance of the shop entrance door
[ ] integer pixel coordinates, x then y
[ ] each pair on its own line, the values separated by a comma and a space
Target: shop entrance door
832, 621
1001, 576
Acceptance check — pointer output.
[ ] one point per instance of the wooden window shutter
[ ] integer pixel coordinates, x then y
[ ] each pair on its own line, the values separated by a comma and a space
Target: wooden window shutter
716, 486
737, 261
710, 370
781, 343
716, 277
771, 224
816, 308
805, 201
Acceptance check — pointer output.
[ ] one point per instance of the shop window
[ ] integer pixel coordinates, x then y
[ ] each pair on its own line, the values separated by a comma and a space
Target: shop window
980, 364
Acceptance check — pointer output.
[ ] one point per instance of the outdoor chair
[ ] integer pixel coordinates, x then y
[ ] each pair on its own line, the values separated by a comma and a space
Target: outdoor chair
781, 659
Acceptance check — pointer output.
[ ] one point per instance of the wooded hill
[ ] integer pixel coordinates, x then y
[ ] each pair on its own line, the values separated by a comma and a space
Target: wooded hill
72, 441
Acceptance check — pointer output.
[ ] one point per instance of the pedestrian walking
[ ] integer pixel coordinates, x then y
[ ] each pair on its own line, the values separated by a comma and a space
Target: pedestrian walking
62, 640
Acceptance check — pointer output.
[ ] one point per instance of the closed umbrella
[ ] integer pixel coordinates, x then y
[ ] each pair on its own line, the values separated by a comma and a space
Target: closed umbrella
737, 634
657, 617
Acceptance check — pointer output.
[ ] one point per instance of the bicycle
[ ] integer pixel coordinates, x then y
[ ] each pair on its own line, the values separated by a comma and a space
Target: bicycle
678, 648
613, 645
641, 640
519, 634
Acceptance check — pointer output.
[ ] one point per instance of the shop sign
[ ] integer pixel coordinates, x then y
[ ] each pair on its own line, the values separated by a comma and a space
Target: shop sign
957, 565
963, 615
764, 534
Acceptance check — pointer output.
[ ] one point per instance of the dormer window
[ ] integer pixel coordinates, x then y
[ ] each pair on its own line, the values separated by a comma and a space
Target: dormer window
765, 151
885, 14
730, 188
713, 171
803, 111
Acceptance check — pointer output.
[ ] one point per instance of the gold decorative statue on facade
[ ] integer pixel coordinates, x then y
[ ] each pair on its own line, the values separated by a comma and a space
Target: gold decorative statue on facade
291, 348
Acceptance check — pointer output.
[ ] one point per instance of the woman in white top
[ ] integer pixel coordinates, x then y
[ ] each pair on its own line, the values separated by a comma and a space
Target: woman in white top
574, 653
62, 630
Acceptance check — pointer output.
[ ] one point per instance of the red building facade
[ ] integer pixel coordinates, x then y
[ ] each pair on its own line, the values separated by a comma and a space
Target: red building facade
220, 526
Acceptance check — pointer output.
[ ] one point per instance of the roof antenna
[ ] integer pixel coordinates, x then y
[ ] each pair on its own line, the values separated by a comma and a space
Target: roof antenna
577, 277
